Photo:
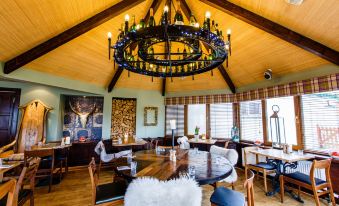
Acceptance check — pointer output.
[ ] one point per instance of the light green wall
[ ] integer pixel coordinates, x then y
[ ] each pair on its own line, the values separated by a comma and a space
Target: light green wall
33, 86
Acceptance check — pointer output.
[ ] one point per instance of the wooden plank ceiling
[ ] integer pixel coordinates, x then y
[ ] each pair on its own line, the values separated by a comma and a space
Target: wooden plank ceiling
26, 24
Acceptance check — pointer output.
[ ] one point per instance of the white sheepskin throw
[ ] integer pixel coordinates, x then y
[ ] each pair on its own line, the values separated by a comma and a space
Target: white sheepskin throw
101, 151
183, 142
149, 191
231, 156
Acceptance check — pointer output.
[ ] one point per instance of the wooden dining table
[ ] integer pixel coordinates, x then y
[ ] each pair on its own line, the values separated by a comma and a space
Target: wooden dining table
7, 166
282, 161
158, 165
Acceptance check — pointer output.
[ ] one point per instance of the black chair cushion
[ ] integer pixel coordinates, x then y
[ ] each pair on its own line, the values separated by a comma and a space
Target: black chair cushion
226, 197
304, 178
264, 165
110, 192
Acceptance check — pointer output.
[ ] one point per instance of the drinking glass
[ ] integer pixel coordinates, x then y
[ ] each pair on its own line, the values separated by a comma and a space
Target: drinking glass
134, 167
196, 150
191, 171
300, 152
129, 158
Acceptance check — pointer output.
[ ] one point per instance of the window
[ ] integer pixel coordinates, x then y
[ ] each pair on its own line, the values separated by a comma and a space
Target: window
251, 121
196, 116
286, 106
221, 120
320, 120
175, 112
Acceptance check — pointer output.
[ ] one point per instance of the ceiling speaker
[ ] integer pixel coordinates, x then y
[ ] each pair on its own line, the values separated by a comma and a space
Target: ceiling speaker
294, 2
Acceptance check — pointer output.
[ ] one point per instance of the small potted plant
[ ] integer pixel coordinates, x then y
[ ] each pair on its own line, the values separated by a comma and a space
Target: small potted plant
196, 133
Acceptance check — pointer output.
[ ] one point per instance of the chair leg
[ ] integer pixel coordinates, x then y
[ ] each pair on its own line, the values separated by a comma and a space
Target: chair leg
31, 200
265, 181
282, 189
246, 170
332, 197
60, 172
66, 165
232, 185
316, 198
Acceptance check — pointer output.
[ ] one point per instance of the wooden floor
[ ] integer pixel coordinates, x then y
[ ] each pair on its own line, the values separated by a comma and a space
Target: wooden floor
75, 190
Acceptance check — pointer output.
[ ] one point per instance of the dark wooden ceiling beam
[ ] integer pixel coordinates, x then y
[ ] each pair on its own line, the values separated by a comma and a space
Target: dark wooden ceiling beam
187, 12
115, 79
227, 78
68, 35
276, 29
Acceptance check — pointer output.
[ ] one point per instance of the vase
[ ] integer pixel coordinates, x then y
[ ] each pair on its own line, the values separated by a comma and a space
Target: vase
196, 137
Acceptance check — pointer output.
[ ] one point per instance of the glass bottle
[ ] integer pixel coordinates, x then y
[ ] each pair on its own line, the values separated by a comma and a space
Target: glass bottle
217, 29
192, 20
213, 27
184, 53
151, 21
178, 18
142, 23
134, 25
151, 52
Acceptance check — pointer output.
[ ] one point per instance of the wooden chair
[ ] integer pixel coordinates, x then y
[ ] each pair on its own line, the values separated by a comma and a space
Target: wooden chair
105, 194
261, 167
47, 165
318, 186
164, 147
61, 156
225, 196
8, 188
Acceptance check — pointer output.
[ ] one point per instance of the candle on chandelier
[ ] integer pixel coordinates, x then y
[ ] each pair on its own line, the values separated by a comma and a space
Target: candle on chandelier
166, 14
229, 40
126, 23
208, 20
109, 35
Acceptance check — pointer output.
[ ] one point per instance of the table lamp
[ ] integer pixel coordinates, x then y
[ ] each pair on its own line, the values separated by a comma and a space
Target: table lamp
173, 126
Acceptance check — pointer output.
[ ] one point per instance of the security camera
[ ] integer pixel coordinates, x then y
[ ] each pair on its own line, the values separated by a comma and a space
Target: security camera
268, 74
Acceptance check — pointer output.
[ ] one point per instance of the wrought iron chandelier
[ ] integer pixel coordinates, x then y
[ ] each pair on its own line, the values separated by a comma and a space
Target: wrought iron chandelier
170, 50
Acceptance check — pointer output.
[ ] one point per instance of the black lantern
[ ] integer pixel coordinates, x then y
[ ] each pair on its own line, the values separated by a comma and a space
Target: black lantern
277, 126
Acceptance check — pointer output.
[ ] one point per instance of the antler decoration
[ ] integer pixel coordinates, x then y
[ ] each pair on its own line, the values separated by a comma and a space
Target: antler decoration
82, 114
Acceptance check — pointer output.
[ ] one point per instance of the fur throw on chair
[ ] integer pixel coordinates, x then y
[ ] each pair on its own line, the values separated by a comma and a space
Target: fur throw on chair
183, 142
232, 157
101, 151
149, 191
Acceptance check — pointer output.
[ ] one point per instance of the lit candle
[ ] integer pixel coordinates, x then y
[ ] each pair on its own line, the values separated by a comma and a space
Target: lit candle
109, 35
229, 40
228, 31
208, 15
166, 14
196, 25
208, 18
126, 23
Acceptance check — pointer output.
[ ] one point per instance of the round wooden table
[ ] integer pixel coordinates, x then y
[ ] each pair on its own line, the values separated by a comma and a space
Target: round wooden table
158, 165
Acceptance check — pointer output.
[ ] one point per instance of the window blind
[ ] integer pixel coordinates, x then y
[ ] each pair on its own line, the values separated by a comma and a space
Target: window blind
196, 116
320, 116
175, 112
221, 120
251, 121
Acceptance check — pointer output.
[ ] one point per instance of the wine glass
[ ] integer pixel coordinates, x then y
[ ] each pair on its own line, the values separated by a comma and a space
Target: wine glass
257, 142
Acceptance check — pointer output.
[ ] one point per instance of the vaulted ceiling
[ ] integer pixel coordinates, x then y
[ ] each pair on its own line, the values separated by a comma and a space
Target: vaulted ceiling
25, 24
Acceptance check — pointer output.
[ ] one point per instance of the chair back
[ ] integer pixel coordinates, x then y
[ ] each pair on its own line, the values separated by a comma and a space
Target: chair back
39, 153
28, 173
230, 154
246, 152
8, 188
93, 173
321, 164
248, 185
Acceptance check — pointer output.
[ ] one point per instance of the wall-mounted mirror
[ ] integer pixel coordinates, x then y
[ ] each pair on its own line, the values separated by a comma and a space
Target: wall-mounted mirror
150, 116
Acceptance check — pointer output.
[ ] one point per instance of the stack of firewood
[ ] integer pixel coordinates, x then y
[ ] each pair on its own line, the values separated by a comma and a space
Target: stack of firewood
123, 117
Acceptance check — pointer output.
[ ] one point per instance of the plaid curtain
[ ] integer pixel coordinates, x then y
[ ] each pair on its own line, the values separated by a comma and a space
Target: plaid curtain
314, 85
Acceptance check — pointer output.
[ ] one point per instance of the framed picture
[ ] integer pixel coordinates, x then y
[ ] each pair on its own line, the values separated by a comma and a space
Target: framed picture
150, 116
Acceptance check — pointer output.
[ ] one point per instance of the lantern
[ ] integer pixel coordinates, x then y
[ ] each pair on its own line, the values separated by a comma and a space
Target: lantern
277, 127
